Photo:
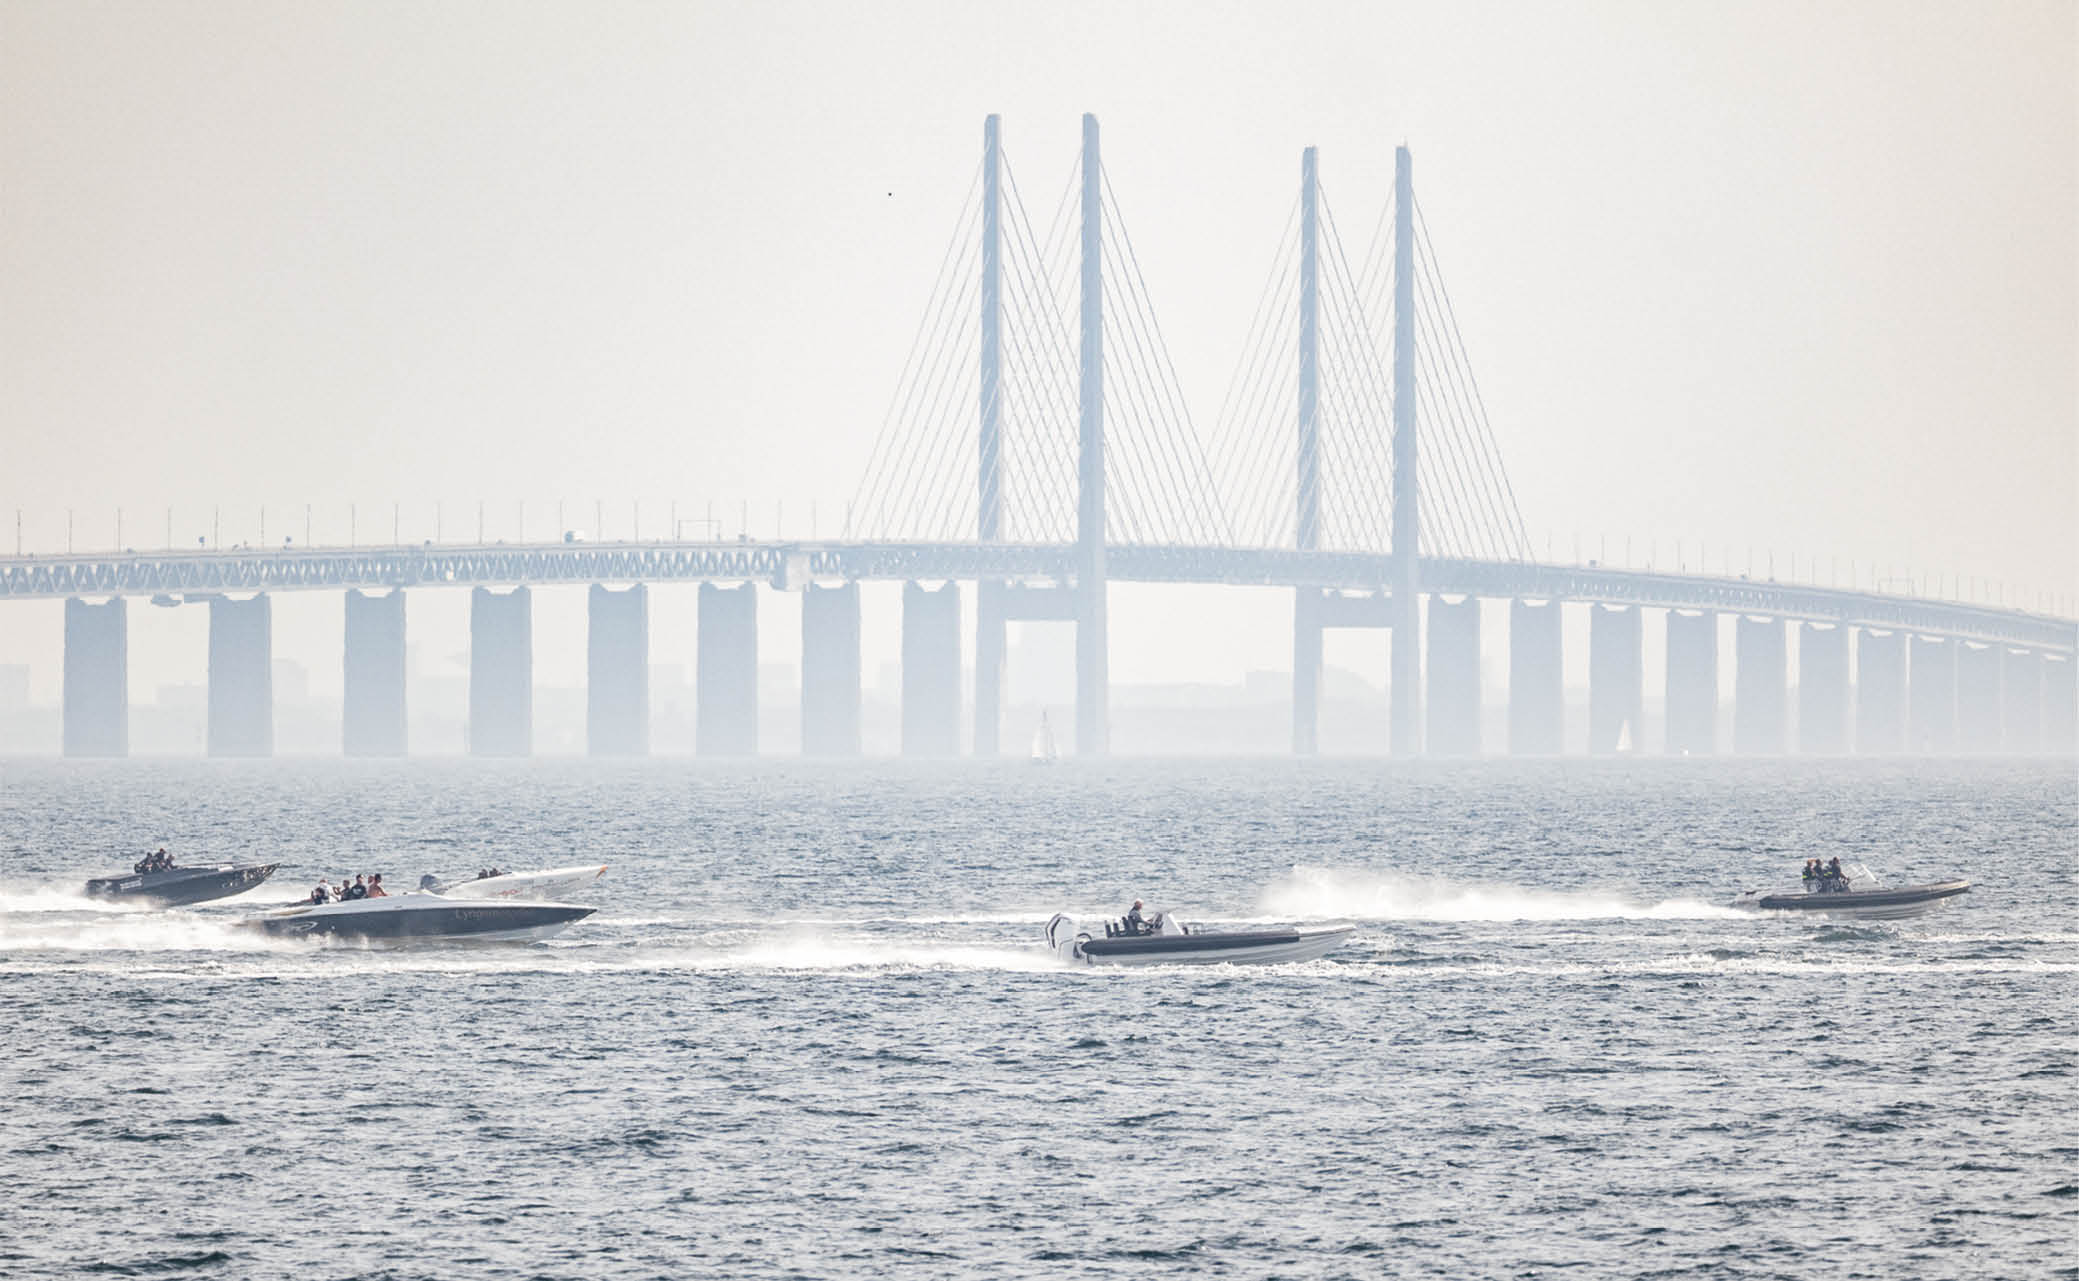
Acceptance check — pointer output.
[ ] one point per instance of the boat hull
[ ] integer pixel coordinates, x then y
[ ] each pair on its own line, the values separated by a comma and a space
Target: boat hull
180, 886
1236, 947
1896, 903
442, 920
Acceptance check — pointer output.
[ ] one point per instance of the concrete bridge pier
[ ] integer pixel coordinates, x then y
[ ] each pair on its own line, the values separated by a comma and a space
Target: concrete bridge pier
1454, 677
97, 678
372, 713
501, 672
2021, 717
991, 646
1931, 695
1880, 692
241, 676
725, 672
1692, 686
1980, 697
1306, 671
830, 670
1822, 689
617, 671
2060, 704
1761, 660
1537, 692
930, 670
1616, 677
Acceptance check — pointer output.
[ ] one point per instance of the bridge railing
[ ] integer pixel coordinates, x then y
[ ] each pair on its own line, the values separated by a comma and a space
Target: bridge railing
203, 573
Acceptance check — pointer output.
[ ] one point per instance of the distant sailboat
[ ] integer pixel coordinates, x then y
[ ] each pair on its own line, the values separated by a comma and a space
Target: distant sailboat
1624, 744
1043, 750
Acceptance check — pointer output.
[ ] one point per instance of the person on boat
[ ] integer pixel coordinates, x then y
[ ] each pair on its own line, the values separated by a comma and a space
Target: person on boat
1135, 923
1811, 873
322, 893
1836, 879
375, 885
355, 889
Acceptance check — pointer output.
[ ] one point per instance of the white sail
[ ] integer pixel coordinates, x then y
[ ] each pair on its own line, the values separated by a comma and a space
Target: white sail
1043, 749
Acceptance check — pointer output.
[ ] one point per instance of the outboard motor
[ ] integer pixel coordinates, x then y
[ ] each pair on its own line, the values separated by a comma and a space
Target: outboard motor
1064, 939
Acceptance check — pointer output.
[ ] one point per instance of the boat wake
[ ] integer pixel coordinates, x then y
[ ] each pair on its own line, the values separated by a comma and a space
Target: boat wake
99, 930
1346, 894
79, 936
25, 899
815, 951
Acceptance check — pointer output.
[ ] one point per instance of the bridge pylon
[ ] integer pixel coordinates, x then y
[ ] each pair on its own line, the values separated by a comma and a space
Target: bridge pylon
1407, 526
1306, 605
1093, 682
990, 626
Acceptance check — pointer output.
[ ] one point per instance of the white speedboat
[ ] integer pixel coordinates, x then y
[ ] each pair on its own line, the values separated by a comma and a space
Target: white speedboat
420, 917
1164, 939
552, 884
1856, 896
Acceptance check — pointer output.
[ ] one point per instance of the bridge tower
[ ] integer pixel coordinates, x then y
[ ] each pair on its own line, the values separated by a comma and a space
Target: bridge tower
1407, 637
1306, 611
990, 641
1093, 735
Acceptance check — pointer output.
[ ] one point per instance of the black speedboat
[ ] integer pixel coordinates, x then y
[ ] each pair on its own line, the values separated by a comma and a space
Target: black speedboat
176, 886
420, 918
1855, 896
1165, 940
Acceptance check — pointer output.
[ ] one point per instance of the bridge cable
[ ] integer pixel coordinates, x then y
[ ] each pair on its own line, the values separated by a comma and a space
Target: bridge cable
885, 439
1523, 535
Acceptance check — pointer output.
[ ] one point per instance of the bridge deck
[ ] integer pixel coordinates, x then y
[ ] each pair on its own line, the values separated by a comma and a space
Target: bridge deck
180, 574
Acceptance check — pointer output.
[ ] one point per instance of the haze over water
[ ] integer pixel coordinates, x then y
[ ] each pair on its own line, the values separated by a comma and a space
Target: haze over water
811, 1031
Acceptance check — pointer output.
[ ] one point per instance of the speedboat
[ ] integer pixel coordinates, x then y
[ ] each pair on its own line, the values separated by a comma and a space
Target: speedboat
420, 917
551, 884
178, 886
1164, 939
1857, 896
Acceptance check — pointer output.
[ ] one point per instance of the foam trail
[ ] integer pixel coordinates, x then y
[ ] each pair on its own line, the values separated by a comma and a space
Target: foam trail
1326, 893
981, 916
805, 951
27, 898
170, 932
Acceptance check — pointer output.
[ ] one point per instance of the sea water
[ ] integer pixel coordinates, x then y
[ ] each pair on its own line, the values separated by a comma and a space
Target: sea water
812, 1030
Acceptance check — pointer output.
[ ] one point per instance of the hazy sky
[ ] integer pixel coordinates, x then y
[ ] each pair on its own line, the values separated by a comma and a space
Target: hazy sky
1791, 275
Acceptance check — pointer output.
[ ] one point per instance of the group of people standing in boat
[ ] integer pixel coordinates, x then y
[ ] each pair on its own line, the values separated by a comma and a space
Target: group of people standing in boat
1824, 878
367, 885
157, 861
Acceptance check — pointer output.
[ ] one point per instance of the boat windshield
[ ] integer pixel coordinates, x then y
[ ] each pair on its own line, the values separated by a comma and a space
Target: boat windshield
1164, 921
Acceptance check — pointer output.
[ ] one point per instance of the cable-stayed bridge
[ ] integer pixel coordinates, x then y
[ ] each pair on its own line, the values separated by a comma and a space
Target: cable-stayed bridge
1039, 448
